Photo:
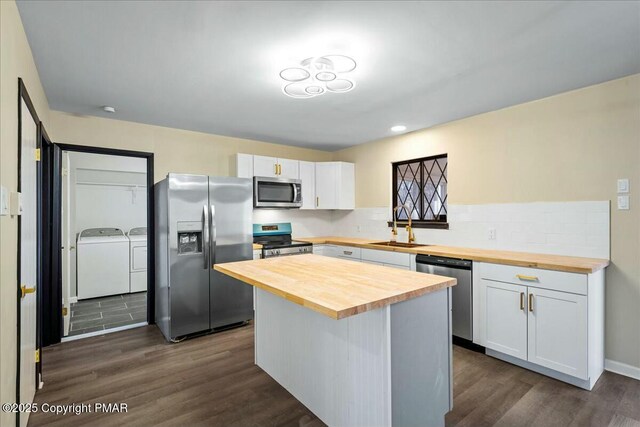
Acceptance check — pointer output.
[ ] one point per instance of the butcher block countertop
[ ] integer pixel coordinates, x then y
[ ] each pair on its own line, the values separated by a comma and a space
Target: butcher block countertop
334, 287
522, 259
257, 247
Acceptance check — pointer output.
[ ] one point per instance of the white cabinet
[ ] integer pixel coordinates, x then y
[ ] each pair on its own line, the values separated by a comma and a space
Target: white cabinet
392, 259
274, 167
398, 260
320, 250
558, 331
335, 185
308, 178
325, 185
551, 322
244, 165
288, 169
505, 318
265, 166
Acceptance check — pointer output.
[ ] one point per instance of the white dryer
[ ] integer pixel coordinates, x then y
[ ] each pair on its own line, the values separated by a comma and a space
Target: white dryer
103, 263
138, 259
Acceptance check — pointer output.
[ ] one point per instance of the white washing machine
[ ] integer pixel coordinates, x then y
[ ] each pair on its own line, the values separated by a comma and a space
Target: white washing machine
138, 259
103, 263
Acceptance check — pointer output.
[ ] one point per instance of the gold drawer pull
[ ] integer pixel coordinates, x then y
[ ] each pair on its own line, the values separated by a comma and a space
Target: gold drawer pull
522, 301
527, 278
531, 303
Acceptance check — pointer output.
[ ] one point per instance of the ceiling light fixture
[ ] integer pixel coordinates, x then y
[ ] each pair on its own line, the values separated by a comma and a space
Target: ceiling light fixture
398, 128
318, 75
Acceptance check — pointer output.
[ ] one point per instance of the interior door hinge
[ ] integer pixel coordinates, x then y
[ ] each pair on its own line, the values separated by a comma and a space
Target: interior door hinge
37, 355
64, 311
37, 154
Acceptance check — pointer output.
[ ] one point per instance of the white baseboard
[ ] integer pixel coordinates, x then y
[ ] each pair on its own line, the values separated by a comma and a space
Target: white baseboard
622, 369
73, 300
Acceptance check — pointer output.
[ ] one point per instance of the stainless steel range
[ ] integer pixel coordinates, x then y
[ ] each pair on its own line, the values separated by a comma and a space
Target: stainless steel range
276, 240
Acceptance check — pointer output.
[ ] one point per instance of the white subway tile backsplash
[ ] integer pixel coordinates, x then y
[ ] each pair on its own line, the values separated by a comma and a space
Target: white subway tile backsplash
563, 228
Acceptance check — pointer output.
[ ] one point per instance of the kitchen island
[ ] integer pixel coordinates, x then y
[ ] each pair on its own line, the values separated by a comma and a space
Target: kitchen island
358, 344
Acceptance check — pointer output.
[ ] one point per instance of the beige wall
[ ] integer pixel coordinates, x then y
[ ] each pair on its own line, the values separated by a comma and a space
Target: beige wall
174, 150
15, 61
567, 147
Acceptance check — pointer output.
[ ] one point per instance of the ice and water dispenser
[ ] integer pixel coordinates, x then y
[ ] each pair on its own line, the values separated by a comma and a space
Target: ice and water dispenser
189, 237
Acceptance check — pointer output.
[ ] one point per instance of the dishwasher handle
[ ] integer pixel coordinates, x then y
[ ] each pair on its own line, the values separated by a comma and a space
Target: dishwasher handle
461, 264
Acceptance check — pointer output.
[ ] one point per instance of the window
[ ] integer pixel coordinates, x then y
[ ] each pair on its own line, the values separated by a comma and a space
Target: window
421, 186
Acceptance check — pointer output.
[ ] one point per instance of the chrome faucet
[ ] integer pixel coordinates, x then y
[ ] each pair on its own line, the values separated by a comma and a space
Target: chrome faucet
411, 237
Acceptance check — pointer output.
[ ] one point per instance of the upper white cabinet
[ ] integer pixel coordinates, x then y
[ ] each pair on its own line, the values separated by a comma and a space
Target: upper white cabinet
265, 166
288, 168
335, 185
274, 167
308, 178
325, 185
244, 165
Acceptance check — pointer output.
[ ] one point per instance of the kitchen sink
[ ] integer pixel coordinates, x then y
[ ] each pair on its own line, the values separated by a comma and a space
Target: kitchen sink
399, 244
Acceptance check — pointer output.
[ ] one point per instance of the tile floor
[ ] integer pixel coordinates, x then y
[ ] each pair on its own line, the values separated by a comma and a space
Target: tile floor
98, 314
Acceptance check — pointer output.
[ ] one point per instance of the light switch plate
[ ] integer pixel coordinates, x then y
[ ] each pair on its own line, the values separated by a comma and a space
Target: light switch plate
623, 203
623, 185
4, 200
16, 204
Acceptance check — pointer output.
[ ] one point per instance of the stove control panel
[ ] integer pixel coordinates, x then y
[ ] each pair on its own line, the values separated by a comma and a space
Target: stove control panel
296, 250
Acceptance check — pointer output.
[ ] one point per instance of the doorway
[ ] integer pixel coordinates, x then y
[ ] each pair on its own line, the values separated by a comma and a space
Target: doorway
102, 226
104, 242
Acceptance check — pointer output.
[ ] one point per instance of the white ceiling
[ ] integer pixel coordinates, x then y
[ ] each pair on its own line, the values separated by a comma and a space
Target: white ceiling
213, 66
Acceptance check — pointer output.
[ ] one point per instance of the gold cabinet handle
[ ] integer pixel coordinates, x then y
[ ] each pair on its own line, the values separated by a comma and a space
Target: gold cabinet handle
522, 301
275, 166
26, 290
531, 303
527, 278
279, 169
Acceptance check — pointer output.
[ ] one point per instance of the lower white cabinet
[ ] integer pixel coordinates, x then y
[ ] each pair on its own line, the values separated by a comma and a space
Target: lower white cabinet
558, 331
398, 260
526, 316
505, 318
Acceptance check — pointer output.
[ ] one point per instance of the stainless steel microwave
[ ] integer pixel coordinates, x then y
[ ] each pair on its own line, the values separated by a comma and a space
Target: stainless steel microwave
276, 192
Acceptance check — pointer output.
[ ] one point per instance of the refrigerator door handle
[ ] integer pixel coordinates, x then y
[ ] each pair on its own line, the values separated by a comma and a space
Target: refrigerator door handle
205, 232
213, 236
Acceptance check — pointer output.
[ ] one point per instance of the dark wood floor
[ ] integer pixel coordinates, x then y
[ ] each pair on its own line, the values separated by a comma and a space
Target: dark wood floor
212, 380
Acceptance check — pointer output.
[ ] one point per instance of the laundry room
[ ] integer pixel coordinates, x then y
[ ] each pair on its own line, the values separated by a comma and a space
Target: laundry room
104, 235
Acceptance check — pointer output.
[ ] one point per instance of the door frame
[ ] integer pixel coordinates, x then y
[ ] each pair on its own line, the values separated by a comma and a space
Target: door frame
23, 94
53, 328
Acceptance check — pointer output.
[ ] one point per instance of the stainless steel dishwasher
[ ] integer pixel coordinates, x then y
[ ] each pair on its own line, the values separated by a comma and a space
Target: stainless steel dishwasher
461, 294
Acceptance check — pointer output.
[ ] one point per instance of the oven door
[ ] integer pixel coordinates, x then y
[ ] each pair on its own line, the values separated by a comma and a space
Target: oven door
276, 192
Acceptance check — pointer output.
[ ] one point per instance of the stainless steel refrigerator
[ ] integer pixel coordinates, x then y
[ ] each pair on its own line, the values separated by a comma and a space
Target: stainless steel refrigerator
200, 221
